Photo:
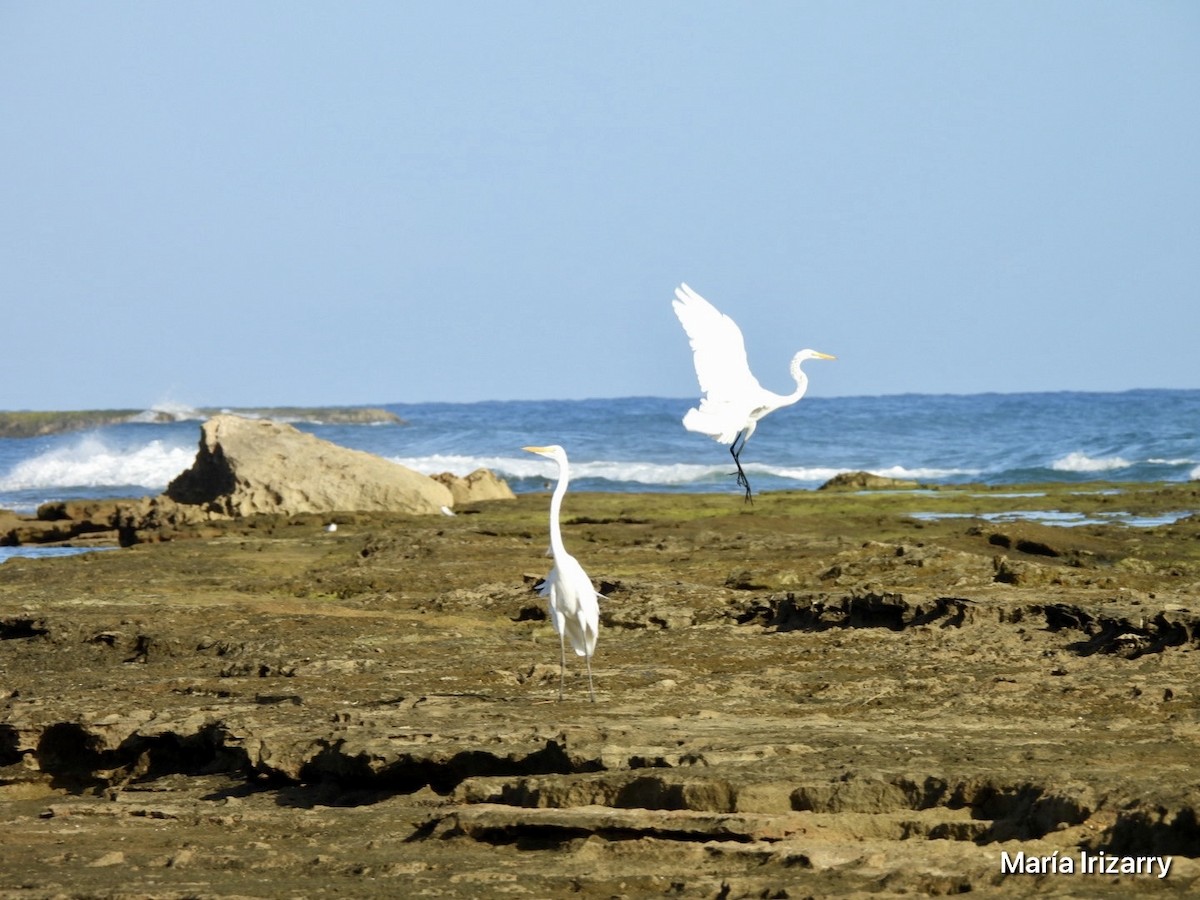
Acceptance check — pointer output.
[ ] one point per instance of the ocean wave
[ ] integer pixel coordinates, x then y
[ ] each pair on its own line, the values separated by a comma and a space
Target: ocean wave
649, 473
924, 473
92, 462
519, 468
822, 474
1081, 462
168, 412
636, 472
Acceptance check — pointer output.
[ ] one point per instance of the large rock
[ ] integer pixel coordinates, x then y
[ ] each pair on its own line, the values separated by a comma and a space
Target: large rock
250, 466
482, 484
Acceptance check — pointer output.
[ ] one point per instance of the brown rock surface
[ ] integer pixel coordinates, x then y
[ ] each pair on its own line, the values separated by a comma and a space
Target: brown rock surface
819, 696
482, 484
250, 466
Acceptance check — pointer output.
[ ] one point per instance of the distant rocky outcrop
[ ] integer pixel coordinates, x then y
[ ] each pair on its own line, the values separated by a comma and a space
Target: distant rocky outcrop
865, 481
250, 466
27, 423
31, 423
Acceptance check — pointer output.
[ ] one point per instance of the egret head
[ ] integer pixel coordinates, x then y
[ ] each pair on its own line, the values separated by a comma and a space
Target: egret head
804, 355
552, 451
812, 354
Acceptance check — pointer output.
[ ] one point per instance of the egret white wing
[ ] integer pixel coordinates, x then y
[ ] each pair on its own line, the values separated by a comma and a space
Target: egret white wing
582, 628
573, 604
549, 589
718, 348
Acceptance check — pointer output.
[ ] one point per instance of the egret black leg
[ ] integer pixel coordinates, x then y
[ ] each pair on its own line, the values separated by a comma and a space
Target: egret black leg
591, 692
736, 451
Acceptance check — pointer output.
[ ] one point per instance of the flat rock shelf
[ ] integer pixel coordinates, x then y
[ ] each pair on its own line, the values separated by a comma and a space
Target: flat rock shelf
819, 695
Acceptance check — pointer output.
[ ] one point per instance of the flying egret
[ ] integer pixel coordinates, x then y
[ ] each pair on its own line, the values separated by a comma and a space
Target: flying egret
733, 400
573, 602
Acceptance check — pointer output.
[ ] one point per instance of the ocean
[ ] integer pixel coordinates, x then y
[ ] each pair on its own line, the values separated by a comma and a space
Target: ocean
638, 444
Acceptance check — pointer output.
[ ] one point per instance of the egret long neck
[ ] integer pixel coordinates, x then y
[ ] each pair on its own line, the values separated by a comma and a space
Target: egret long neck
560, 489
801, 384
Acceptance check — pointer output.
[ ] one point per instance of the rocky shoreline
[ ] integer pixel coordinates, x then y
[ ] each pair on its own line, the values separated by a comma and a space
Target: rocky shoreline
245, 467
824, 694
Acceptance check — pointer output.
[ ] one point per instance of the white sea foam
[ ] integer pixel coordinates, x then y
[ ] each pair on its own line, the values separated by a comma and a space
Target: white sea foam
1194, 475
169, 410
535, 467
925, 473
824, 473
464, 465
648, 473
816, 474
1081, 462
92, 462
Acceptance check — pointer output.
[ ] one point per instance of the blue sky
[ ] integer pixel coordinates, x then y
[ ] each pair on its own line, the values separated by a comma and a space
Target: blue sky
233, 204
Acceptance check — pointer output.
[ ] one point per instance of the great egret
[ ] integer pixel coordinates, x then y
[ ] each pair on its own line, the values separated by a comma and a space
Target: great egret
733, 400
574, 606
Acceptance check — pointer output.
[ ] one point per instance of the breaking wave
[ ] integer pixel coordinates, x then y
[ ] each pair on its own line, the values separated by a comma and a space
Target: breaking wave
650, 473
1081, 462
646, 473
93, 462
168, 411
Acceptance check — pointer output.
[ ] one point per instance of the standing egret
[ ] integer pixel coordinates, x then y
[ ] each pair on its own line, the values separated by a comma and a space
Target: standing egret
733, 400
574, 606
